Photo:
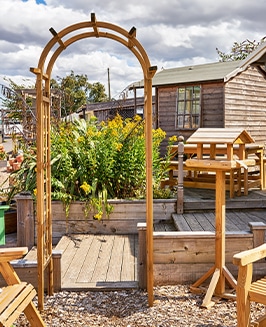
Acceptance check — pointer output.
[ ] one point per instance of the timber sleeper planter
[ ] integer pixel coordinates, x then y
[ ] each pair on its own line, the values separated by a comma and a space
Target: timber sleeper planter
123, 220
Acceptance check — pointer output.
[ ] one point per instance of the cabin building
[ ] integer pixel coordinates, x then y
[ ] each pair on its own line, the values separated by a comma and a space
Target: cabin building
215, 95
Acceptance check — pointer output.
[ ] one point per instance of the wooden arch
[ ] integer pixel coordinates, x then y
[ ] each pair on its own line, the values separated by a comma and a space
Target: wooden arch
60, 42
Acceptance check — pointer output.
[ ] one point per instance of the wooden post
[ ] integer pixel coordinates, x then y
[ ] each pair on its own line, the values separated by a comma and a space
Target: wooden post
149, 187
142, 258
220, 229
57, 255
258, 231
180, 186
25, 220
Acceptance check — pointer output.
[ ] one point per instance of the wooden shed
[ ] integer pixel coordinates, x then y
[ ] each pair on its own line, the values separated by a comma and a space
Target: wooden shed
215, 95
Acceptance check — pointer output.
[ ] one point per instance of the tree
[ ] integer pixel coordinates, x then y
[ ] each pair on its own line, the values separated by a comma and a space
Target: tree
240, 51
97, 93
74, 91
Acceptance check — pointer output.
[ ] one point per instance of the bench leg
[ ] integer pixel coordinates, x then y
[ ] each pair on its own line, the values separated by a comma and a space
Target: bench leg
33, 316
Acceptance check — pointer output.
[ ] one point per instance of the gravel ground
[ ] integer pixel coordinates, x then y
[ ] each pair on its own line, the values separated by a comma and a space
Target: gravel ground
173, 306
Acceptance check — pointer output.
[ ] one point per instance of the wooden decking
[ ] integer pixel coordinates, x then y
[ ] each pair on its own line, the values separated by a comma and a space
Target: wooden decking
236, 220
199, 211
109, 262
101, 262
98, 261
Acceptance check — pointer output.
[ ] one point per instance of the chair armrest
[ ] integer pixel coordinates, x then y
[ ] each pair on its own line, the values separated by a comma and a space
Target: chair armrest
9, 254
246, 257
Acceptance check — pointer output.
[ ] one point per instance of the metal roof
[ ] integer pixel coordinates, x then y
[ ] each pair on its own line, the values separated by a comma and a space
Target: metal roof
190, 74
197, 73
218, 71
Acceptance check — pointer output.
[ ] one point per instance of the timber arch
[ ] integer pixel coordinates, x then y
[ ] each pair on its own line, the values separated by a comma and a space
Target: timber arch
61, 41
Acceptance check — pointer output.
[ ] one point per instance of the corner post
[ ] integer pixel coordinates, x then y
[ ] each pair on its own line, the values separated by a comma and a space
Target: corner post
142, 258
258, 231
25, 220
180, 187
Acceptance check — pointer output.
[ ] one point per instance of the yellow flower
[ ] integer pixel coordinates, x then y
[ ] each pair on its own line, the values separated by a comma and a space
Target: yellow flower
119, 146
98, 215
35, 191
137, 118
86, 187
173, 138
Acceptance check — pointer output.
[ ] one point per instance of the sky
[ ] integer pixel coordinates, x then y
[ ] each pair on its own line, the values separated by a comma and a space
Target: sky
174, 33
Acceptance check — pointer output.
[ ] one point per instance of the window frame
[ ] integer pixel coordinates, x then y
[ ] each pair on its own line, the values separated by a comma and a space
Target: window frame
187, 114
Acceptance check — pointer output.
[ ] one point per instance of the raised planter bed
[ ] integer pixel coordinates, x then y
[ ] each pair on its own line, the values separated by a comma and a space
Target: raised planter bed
123, 220
184, 257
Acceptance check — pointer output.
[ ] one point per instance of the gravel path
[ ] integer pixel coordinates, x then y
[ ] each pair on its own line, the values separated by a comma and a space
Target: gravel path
173, 306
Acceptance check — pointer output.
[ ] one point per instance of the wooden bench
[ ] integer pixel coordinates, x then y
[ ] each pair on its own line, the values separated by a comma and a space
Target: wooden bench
17, 296
248, 290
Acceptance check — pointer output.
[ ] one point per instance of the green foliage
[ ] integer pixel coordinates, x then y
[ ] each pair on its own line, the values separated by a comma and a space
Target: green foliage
92, 162
13, 103
74, 90
240, 50
97, 93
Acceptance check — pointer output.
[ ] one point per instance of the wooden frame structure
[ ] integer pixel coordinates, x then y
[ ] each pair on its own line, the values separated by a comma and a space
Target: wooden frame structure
215, 136
43, 72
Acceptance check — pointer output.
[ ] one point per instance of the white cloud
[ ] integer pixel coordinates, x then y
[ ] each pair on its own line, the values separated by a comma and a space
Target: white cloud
173, 33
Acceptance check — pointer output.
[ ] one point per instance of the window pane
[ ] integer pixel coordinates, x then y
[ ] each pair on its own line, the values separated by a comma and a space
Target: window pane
180, 121
187, 123
181, 94
181, 108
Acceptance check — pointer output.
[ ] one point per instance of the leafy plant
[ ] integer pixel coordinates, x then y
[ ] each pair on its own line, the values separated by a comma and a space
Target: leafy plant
3, 155
94, 162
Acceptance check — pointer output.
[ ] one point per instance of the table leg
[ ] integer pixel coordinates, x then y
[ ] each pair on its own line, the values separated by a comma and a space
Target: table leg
220, 272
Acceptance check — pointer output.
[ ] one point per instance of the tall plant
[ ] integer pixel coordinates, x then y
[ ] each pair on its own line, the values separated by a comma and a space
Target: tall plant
93, 162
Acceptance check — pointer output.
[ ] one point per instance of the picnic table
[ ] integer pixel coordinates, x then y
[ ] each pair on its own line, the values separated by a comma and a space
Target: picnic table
222, 144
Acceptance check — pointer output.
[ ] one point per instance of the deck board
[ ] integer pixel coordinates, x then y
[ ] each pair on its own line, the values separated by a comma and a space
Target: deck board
129, 262
98, 261
104, 255
86, 268
235, 221
116, 260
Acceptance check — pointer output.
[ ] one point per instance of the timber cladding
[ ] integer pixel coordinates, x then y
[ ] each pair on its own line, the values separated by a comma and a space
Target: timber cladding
245, 104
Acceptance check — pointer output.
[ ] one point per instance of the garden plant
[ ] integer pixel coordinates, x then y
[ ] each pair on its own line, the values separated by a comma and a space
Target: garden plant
93, 162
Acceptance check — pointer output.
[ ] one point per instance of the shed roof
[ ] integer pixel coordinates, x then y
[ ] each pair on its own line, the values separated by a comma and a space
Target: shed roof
190, 74
217, 71
197, 73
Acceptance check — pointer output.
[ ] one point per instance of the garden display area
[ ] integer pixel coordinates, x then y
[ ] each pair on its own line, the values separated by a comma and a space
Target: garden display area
86, 206
85, 182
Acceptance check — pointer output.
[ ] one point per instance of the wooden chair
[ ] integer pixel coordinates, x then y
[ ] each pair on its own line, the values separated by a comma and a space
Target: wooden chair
17, 296
247, 290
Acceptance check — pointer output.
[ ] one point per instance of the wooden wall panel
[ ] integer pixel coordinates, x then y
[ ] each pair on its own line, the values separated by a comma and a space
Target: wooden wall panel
212, 105
245, 103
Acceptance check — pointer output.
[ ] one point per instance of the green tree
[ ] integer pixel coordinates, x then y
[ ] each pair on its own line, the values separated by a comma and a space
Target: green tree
240, 51
14, 104
75, 90
97, 93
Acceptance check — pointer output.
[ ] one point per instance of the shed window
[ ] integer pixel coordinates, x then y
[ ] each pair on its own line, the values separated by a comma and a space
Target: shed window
188, 107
